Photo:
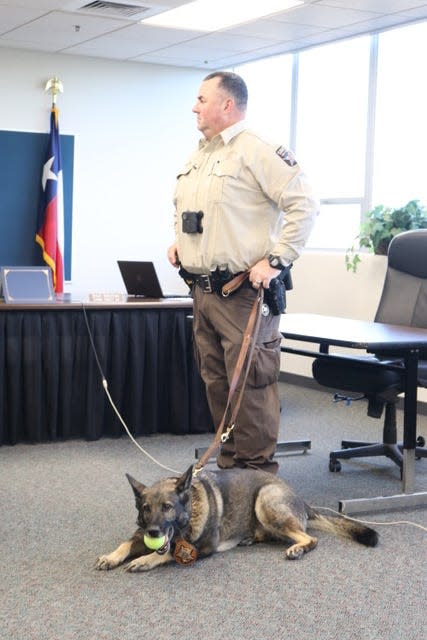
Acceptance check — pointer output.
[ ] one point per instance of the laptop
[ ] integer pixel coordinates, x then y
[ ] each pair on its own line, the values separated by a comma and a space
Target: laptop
140, 279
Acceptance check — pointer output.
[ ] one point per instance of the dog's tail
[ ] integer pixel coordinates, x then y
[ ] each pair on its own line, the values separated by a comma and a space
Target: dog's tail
341, 526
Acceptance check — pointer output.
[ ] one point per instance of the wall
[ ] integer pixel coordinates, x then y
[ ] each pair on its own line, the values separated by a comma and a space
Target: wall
323, 285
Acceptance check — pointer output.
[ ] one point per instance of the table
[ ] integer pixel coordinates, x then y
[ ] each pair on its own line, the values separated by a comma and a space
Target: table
51, 386
373, 337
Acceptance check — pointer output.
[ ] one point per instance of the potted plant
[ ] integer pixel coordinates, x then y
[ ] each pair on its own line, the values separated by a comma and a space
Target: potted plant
380, 225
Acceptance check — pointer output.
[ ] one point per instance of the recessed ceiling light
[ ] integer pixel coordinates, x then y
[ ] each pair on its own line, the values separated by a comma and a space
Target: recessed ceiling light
211, 15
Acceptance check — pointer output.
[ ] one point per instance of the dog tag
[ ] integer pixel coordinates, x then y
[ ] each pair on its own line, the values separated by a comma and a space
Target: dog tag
185, 552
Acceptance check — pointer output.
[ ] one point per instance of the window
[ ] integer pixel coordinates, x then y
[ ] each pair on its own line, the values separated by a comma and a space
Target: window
357, 122
331, 116
400, 165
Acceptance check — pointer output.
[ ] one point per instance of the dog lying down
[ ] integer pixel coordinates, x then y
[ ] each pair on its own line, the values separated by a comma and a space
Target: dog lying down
187, 518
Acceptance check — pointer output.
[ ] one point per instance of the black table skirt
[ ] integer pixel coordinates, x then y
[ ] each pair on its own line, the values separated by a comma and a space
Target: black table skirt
52, 387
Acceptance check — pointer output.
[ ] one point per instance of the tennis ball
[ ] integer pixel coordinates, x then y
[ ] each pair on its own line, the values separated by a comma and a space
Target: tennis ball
154, 543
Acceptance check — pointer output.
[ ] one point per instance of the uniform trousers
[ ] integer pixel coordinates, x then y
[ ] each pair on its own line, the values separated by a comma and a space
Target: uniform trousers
218, 325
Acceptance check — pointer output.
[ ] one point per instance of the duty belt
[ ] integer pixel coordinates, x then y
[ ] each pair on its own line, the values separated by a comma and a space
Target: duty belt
208, 282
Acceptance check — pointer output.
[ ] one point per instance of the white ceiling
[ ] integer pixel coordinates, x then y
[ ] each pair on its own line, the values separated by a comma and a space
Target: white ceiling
64, 26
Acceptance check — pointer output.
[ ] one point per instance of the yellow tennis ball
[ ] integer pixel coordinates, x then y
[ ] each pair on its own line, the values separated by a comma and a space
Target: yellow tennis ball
154, 543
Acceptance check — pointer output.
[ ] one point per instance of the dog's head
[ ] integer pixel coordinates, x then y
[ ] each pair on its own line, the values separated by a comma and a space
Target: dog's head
164, 509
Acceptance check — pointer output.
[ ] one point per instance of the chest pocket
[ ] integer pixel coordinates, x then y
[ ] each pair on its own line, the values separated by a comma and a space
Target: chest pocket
185, 171
184, 188
228, 168
224, 176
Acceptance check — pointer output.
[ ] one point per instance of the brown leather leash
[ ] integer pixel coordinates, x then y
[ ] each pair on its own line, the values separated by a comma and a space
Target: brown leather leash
245, 356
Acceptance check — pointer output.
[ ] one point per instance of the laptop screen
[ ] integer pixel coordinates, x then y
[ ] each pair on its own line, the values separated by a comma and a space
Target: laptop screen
140, 279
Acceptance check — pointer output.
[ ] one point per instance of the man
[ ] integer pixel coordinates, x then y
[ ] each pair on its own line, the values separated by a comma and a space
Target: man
240, 204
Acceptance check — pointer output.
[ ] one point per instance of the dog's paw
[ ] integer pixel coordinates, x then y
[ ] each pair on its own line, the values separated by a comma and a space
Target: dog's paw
305, 544
247, 542
148, 562
137, 567
140, 564
295, 552
104, 563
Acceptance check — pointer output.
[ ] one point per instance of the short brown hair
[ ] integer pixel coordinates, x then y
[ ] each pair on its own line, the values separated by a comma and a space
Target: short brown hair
234, 84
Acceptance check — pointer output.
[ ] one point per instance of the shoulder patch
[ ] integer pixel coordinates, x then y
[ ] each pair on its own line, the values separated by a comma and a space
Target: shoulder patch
286, 155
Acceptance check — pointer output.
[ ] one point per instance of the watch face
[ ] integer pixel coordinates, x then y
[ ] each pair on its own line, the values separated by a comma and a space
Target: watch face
274, 262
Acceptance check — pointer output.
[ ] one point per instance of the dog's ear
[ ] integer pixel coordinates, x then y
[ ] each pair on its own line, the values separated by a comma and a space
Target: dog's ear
137, 487
184, 482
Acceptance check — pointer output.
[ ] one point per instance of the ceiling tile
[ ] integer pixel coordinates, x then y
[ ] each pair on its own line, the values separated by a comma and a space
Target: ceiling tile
323, 16
377, 6
12, 17
273, 30
131, 41
60, 30
372, 25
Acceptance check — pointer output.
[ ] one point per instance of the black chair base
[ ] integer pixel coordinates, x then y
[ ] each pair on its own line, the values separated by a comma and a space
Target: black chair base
389, 447
355, 449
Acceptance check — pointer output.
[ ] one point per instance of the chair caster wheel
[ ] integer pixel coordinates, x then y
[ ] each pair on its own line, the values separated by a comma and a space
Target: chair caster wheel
334, 466
420, 442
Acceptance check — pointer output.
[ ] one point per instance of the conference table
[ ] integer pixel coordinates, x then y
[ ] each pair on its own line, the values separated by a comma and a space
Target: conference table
372, 337
55, 356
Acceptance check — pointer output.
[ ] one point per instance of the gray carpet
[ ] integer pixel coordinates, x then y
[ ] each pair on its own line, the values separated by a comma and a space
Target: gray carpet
63, 504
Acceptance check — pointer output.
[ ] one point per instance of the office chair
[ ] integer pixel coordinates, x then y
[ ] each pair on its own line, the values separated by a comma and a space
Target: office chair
403, 302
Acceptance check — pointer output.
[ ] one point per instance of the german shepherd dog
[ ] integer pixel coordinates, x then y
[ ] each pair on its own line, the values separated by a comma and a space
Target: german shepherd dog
218, 510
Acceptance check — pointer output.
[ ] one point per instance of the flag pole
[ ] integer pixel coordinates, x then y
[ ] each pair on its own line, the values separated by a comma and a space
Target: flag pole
50, 219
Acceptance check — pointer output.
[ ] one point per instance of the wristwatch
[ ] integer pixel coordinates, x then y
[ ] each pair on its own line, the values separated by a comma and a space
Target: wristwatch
275, 262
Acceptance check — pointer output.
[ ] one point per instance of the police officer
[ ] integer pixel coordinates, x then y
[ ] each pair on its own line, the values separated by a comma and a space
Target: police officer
240, 204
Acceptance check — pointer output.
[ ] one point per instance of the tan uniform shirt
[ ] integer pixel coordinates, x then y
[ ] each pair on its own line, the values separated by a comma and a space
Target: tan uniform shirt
254, 198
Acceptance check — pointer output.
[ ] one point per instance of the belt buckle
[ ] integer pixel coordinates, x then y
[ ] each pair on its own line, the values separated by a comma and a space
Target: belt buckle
206, 284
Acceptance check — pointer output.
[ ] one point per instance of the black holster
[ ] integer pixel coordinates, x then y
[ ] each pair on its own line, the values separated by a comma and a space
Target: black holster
275, 295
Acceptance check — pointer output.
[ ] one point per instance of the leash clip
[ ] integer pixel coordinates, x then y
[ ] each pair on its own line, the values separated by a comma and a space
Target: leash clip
226, 434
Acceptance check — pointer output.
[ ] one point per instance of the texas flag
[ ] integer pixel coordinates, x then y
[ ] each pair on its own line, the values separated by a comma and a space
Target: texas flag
50, 221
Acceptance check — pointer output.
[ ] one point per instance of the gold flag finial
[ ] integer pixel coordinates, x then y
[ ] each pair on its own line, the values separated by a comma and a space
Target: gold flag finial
55, 86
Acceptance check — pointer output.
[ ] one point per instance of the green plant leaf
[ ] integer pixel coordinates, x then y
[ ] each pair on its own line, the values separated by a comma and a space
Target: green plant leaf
379, 226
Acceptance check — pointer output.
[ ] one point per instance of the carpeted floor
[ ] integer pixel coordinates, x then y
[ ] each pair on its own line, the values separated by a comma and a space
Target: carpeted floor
63, 504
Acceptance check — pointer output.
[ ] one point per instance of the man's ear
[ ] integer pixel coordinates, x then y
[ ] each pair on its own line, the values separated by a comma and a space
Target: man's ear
229, 105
